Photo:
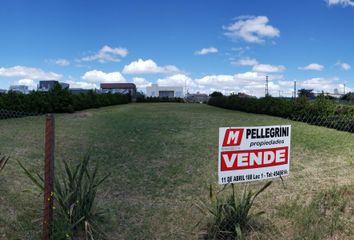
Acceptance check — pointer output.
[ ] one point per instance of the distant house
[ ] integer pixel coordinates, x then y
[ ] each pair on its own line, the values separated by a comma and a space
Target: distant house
19, 89
123, 88
197, 97
333, 95
244, 95
164, 91
47, 85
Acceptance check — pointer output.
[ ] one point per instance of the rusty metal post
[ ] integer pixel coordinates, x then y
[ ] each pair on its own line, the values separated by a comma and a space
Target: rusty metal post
48, 176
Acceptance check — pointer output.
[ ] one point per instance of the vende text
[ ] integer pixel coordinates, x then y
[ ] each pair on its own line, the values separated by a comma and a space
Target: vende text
235, 160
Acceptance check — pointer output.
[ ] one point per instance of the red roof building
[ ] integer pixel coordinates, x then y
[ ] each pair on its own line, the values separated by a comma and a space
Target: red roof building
123, 88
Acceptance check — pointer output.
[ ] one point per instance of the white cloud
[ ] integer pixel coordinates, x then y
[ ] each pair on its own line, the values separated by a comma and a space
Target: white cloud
344, 66
29, 73
235, 81
320, 84
148, 67
61, 62
96, 76
249, 82
184, 81
240, 50
313, 66
252, 83
288, 84
176, 80
251, 29
205, 51
267, 68
344, 3
107, 54
82, 84
224, 82
141, 82
246, 62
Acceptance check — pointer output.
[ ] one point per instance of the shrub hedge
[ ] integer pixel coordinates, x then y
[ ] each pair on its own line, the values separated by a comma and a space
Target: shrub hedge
58, 100
321, 111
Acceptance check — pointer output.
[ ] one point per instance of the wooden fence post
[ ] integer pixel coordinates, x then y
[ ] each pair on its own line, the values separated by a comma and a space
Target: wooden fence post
48, 176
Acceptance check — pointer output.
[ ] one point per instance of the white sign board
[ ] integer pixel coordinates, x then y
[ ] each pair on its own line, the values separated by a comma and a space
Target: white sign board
253, 153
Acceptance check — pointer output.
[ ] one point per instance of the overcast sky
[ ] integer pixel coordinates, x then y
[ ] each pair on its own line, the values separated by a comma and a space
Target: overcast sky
206, 45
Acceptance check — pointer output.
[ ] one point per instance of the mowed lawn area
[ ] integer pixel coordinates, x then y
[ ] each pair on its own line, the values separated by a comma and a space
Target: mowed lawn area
162, 158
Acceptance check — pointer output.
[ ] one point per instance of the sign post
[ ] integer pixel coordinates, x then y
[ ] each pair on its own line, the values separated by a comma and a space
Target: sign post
253, 153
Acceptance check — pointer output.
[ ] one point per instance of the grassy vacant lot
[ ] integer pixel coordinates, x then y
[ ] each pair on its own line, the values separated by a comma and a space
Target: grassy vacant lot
163, 157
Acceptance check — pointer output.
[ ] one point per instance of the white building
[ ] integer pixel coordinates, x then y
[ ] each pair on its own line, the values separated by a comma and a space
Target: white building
19, 88
164, 91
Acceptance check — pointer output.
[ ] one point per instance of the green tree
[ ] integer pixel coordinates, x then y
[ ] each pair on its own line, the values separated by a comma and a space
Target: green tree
348, 97
308, 93
216, 94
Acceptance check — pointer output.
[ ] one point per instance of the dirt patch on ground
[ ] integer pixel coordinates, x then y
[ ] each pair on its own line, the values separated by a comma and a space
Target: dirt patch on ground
83, 115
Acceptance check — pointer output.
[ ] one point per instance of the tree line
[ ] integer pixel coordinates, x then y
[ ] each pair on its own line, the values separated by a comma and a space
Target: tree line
321, 111
58, 100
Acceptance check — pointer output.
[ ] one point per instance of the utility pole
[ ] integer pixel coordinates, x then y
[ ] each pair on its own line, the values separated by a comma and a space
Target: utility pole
344, 88
279, 93
185, 89
266, 87
295, 89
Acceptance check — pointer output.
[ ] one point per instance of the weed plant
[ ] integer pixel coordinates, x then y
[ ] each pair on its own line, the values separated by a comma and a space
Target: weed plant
75, 190
231, 215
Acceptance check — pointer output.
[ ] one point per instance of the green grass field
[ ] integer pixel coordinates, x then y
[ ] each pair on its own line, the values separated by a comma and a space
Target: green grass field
162, 158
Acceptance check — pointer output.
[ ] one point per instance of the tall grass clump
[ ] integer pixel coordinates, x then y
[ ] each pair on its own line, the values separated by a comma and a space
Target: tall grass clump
230, 215
3, 161
322, 217
75, 190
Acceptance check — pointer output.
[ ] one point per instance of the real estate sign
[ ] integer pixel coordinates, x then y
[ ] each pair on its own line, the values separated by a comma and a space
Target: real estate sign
253, 153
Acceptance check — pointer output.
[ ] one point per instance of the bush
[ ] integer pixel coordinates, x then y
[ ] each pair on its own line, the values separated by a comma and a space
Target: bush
231, 216
75, 190
321, 111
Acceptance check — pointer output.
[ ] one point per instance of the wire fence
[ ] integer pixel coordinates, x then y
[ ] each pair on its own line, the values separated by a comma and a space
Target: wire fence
5, 114
21, 139
339, 122
162, 172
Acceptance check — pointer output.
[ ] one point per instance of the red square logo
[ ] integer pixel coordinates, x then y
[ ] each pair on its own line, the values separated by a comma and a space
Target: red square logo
232, 137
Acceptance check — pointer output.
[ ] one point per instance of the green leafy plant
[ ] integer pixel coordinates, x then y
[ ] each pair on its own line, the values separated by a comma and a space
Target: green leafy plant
75, 190
231, 216
3, 161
